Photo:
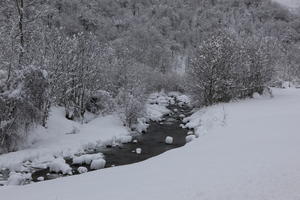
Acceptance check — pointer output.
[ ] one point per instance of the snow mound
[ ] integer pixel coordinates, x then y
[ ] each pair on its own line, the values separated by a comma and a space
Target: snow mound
169, 140
156, 106
189, 138
206, 119
41, 178
82, 170
190, 133
138, 150
255, 95
183, 99
60, 165
156, 112
98, 164
141, 125
18, 178
125, 139
87, 159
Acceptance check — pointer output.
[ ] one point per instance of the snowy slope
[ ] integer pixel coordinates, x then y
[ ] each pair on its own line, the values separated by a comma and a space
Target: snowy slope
251, 153
65, 138
289, 3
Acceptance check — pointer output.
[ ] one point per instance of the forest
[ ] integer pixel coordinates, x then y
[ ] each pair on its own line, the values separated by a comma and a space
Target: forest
107, 56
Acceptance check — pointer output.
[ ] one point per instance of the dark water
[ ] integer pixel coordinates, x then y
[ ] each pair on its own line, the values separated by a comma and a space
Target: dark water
152, 144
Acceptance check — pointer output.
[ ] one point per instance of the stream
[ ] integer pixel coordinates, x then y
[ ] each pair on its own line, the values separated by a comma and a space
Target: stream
151, 143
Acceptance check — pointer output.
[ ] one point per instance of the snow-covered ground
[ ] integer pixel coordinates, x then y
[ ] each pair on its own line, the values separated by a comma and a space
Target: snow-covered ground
250, 150
65, 138
289, 3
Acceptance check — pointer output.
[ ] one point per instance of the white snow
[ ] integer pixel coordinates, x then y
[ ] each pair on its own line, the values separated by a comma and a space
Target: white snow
41, 178
250, 154
125, 139
190, 133
155, 109
87, 158
98, 164
189, 138
56, 140
169, 140
135, 141
82, 170
59, 165
156, 106
182, 98
16, 179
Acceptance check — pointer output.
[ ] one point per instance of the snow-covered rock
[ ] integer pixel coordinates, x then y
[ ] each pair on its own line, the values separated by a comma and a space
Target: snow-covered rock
182, 126
190, 133
60, 165
18, 178
82, 170
169, 140
98, 164
41, 178
135, 141
138, 150
255, 95
189, 138
156, 106
141, 125
125, 139
87, 159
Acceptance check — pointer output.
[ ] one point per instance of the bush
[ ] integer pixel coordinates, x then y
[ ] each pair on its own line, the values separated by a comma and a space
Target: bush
221, 69
23, 105
210, 74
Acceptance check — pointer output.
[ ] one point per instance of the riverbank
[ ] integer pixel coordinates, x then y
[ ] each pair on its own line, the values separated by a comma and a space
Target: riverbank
64, 140
254, 155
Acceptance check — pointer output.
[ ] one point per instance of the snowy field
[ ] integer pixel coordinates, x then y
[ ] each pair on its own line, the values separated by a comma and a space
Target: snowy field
246, 150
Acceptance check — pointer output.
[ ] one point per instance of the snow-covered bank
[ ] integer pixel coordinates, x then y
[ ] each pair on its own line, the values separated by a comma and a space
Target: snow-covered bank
253, 155
65, 138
